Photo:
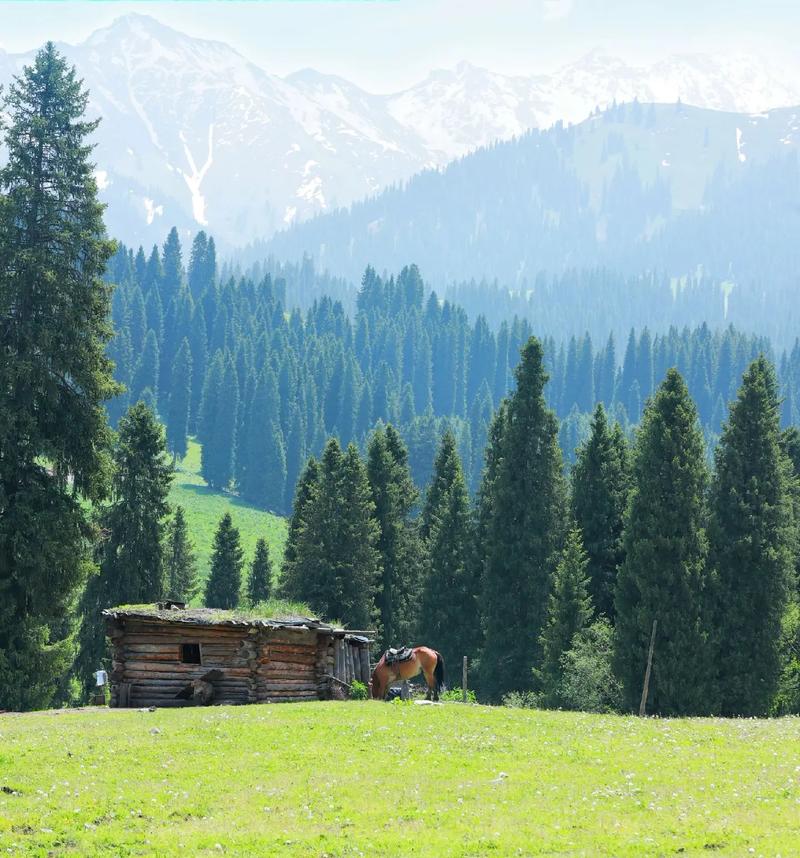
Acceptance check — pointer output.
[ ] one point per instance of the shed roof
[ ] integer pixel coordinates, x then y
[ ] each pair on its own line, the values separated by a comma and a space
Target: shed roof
168, 613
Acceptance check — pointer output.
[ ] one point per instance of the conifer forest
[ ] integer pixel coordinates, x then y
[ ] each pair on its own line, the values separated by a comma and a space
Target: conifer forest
549, 477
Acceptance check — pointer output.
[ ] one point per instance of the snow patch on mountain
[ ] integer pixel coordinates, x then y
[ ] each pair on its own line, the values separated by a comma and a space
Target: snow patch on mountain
223, 144
151, 210
194, 179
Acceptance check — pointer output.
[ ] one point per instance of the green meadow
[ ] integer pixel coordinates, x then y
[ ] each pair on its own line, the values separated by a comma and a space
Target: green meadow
205, 507
375, 779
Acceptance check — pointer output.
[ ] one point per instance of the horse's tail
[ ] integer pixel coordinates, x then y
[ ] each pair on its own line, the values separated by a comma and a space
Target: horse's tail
438, 673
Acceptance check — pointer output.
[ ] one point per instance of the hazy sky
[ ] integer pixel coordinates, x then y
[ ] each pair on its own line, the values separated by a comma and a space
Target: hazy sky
388, 44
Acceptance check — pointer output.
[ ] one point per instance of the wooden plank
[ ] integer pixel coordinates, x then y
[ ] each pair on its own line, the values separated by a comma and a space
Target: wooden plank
149, 676
179, 670
289, 675
293, 637
209, 632
364, 659
290, 686
287, 667
304, 651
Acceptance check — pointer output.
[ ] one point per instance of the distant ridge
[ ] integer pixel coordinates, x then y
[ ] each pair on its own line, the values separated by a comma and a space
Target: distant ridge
196, 135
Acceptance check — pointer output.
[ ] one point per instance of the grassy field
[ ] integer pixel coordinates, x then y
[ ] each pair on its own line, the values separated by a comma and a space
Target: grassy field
374, 779
205, 507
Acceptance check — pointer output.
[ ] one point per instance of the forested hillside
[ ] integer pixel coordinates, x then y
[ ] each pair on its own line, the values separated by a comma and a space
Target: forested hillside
699, 198
263, 386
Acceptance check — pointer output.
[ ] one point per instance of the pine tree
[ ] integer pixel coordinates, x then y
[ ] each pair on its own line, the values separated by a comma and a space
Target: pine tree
132, 559
600, 488
664, 576
54, 375
145, 377
172, 265
295, 454
225, 580
180, 398
332, 562
446, 468
526, 500
263, 457
259, 582
181, 567
120, 352
394, 496
569, 611
219, 420
449, 614
751, 544
307, 486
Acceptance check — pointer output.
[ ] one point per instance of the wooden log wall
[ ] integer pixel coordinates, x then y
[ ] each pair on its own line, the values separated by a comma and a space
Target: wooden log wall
287, 665
147, 660
257, 664
347, 659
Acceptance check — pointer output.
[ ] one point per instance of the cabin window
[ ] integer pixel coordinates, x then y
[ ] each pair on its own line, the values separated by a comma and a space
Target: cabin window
190, 653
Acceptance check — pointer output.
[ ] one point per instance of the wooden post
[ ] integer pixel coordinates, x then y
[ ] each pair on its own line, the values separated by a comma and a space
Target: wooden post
646, 688
351, 674
364, 657
464, 680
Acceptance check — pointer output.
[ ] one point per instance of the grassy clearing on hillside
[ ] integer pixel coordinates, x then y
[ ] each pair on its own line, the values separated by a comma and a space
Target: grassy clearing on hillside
342, 779
205, 507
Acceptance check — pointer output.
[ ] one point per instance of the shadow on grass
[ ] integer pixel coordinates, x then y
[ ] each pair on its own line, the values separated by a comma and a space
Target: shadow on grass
233, 500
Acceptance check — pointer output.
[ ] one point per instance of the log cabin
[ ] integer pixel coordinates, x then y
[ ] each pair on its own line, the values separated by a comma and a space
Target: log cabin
169, 655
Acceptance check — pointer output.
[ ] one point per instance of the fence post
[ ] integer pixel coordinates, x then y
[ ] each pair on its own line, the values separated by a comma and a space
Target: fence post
646, 687
464, 680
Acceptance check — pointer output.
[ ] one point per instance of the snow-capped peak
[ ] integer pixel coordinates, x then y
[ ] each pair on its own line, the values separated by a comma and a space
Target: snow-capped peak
195, 134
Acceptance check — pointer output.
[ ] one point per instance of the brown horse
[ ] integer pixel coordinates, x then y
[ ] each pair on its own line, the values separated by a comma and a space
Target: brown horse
423, 660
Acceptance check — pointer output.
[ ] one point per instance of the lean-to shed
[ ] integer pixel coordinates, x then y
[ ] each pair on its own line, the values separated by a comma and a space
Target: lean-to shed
170, 655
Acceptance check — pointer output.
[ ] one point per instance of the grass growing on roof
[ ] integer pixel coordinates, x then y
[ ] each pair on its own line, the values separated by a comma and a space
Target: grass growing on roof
205, 507
341, 779
273, 609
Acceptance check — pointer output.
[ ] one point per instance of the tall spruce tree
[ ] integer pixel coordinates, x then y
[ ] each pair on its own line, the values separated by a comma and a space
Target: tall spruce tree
569, 611
181, 566
446, 469
225, 580
146, 374
54, 375
665, 576
449, 614
132, 558
790, 444
527, 500
751, 544
394, 496
259, 581
333, 563
180, 397
219, 413
304, 493
600, 488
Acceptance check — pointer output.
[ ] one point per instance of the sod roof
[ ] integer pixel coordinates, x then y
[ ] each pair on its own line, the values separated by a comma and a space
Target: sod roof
168, 613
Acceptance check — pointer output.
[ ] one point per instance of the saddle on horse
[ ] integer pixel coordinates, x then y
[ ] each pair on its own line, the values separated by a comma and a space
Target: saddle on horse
394, 655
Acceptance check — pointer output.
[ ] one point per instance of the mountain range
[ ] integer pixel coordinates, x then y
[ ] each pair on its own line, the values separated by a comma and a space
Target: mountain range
699, 207
195, 135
